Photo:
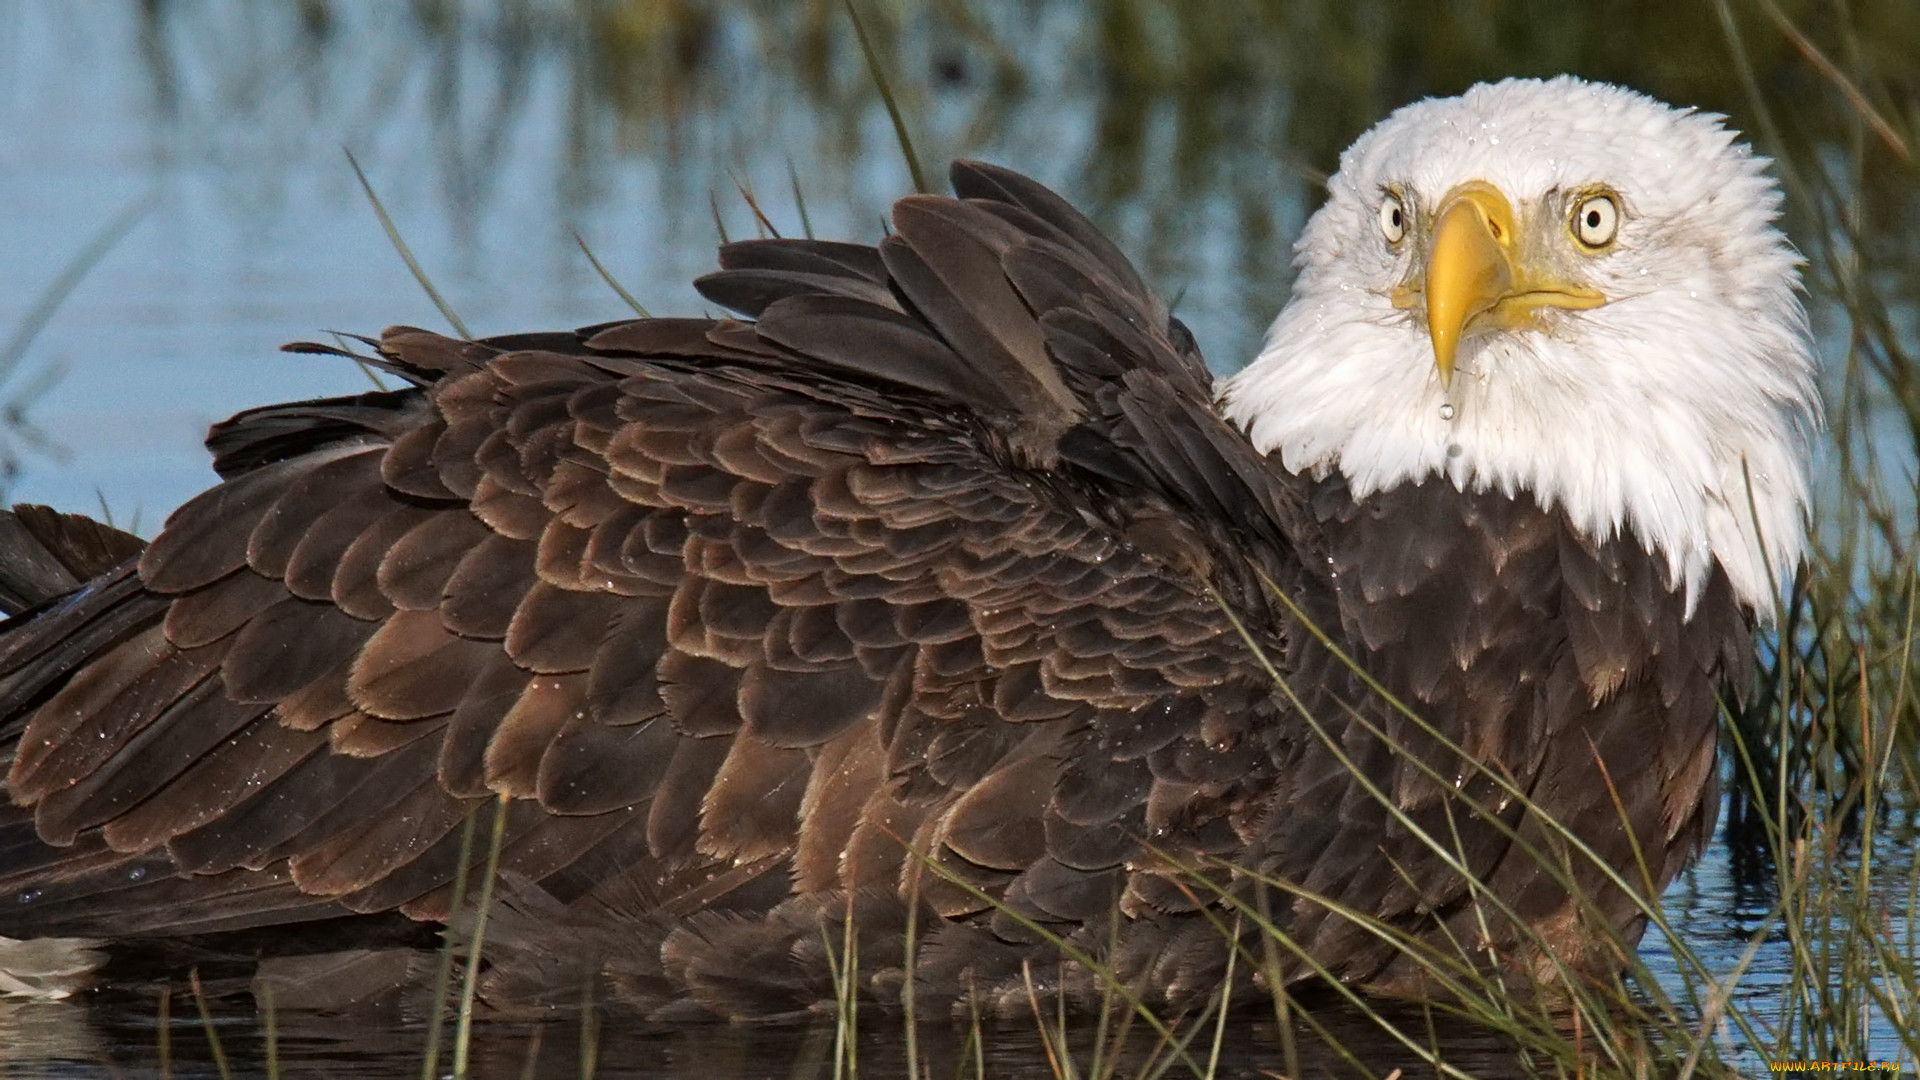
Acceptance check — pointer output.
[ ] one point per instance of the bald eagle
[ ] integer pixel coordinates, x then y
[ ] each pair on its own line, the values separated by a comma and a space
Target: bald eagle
944, 589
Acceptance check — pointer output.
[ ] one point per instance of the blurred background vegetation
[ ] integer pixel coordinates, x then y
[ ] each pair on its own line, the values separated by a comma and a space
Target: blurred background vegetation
1197, 131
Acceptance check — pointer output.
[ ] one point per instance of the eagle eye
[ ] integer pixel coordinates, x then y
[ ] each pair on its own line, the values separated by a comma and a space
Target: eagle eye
1596, 219
1393, 218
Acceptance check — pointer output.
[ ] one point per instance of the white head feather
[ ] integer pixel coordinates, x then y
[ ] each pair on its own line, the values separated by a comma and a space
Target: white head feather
1653, 413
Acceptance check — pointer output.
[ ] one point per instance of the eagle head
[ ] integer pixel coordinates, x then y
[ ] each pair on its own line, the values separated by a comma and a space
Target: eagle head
1565, 290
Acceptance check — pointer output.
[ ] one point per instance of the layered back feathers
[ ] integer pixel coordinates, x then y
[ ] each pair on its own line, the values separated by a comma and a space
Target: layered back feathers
936, 593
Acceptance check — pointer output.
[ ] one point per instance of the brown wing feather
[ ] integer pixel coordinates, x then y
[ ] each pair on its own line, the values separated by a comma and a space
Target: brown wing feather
45, 554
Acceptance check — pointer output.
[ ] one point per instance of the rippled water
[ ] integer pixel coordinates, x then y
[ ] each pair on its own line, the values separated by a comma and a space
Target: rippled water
494, 132
118, 1032
123, 1043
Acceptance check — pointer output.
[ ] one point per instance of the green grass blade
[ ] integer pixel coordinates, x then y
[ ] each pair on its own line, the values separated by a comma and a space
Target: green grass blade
443, 975
463, 1035
272, 1021
218, 1051
799, 199
608, 277
886, 96
406, 253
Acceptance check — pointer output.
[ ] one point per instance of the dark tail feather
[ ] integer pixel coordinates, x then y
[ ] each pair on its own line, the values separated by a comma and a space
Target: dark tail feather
45, 553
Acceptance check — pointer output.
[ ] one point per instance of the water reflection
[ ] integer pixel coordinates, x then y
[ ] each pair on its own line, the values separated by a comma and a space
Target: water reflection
127, 1029
122, 1037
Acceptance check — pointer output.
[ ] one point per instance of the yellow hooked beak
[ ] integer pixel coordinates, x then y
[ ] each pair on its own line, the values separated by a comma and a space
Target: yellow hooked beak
1474, 276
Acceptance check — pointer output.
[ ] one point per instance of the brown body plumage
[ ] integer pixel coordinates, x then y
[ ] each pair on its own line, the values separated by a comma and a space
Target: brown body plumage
940, 587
